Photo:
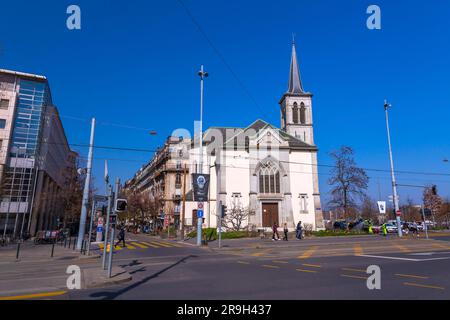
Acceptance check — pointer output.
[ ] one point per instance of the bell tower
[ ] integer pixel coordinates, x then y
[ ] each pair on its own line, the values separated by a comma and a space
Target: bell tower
296, 105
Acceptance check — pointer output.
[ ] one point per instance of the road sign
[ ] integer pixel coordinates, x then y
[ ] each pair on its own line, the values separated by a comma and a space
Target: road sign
399, 213
200, 205
199, 213
113, 219
100, 228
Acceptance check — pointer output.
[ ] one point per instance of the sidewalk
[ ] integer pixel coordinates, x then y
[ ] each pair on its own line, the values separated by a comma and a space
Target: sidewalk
36, 271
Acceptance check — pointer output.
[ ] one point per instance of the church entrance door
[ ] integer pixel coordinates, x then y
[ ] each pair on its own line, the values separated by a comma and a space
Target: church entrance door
269, 214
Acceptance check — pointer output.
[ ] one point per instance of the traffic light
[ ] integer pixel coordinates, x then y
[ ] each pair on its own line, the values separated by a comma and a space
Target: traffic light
223, 211
121, 205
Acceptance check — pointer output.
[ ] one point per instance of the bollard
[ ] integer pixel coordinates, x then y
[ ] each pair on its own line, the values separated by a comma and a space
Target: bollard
65, 242
70, 241
53, 248
74, 243
82, 246
18, 250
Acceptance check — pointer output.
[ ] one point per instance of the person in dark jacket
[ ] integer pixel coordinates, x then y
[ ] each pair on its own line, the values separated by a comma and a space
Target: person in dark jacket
275, 232
121, 237
285, 230
299, 230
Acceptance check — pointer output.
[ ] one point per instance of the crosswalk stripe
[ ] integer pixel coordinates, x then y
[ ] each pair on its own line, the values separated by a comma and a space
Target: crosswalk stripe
137, 244
308, 253
100, 245
149, 244
160, 244
172, 244
130, 247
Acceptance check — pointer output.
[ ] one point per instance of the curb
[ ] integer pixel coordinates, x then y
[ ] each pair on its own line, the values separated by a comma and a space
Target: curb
96, 278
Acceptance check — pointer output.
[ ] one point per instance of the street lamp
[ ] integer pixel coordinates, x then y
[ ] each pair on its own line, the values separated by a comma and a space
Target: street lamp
203, 74
394, 184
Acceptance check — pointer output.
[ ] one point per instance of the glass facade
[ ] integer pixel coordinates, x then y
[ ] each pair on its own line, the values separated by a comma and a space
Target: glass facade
33, 97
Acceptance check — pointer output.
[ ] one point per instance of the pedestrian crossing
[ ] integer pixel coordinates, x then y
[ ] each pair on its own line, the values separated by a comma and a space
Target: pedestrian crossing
133, 245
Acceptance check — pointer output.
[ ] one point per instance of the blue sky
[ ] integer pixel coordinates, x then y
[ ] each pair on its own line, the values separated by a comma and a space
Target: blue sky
135, 65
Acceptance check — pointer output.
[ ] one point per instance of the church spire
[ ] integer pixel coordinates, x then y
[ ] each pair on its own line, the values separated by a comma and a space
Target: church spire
295, 84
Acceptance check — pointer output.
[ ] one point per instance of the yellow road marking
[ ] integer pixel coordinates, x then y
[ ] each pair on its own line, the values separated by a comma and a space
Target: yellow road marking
440, 246
35, 295
160, 244
355, 270
357, 249
101, 246
149, 244
352, 276
278, 261
303, 270
139, 245
243, 262
172, 244
410, 276
308, 253
270, 266
422, 285
117, 248
258, 254
402, 248
130, 246
312, 265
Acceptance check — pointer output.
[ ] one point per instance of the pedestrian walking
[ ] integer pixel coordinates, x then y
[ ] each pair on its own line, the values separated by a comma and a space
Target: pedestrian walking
285, 230
299, 230
275, 232
121, 236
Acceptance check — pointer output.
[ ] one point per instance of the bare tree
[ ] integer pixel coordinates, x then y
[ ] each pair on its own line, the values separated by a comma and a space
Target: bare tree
369, 209
142, 207
432, 201
348, 182
410, 211
236, 217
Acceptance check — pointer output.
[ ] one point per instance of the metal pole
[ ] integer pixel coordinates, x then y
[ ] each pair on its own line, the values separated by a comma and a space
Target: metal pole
111, 250
105, 243
424, 221
394, 184
18, 250
202, 75
183, 214
220, 224
85, 203
113, 228
90, 227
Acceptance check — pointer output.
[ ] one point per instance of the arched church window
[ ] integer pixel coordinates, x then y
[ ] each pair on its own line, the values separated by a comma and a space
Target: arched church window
269, 178
295, 113
302, 113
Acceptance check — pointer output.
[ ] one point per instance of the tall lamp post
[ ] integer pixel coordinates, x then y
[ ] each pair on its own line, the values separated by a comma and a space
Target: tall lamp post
394, 184
203, 74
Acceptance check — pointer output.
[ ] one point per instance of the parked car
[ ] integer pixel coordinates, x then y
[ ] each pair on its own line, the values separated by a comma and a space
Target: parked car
342, 225
391, 228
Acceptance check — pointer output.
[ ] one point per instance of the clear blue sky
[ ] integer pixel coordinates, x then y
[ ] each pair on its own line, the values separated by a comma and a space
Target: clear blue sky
134, 63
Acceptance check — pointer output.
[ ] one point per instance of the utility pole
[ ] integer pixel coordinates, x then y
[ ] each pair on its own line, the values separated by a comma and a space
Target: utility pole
105, 243
183, 213
84, 206
424, 220
394, 184
202, 75
113, 229
90, 226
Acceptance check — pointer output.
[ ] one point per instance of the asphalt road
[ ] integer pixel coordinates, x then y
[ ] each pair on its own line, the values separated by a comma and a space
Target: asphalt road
321, 268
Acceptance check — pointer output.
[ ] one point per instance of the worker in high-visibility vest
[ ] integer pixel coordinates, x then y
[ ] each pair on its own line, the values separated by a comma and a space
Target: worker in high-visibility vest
384, 229
370, 228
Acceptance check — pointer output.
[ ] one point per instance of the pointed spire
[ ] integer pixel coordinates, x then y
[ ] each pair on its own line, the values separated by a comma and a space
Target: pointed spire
295, 84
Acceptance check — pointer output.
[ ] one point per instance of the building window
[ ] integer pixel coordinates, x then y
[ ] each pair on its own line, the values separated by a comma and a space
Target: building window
178, 164
269, 178
302, 113
2, 123
178, 179
303, 202
235, 143
247, 144
295, 113
4, 104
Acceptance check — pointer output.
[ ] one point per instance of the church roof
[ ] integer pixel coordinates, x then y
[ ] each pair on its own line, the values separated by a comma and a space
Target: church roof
295, 83
259, 125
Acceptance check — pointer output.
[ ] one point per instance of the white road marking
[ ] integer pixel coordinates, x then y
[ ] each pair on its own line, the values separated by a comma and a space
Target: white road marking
404, 259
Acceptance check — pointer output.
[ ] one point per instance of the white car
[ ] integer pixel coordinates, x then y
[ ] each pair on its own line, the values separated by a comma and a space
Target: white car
391, 228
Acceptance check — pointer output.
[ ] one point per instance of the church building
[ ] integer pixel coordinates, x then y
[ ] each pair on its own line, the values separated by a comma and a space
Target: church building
262, 173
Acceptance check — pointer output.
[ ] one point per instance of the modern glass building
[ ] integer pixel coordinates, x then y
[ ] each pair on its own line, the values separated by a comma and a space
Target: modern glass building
31, 140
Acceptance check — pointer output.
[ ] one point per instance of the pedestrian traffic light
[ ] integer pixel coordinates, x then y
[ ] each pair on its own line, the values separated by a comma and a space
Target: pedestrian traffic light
223, 211
121, 205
